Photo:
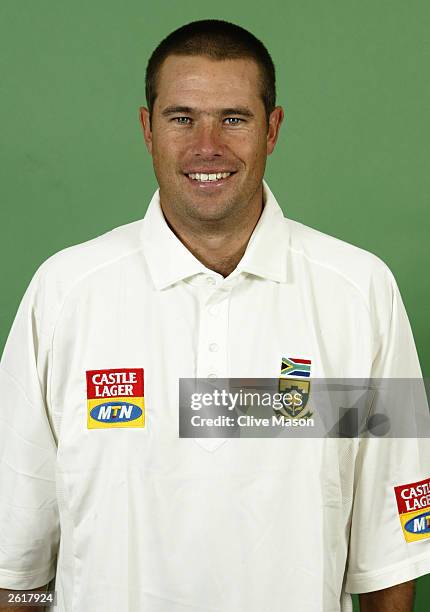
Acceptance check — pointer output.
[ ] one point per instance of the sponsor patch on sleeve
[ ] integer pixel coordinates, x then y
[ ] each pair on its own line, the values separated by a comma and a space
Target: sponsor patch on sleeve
413, 504
115, 398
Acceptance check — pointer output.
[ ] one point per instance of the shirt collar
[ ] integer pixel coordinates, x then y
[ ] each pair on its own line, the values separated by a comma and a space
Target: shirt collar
170, 261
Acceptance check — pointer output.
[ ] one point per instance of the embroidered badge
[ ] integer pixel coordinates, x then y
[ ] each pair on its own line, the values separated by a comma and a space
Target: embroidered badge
413, 504
295, 366
115, 398
294, 387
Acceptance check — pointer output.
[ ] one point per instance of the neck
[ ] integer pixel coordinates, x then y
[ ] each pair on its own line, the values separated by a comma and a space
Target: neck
218, 244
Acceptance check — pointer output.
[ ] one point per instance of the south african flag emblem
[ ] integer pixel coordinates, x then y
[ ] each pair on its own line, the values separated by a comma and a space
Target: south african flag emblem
295, 367
294, 386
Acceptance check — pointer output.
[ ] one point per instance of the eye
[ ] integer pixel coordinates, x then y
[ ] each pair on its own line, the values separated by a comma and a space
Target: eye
233, 120
182, 120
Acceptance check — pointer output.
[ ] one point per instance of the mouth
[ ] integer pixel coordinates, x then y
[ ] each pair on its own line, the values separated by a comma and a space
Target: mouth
209, 179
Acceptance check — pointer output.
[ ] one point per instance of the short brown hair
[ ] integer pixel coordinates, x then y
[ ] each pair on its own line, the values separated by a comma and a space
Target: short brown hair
219, 40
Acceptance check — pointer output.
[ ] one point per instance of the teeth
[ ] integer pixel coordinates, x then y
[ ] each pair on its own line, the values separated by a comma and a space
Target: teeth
202, 176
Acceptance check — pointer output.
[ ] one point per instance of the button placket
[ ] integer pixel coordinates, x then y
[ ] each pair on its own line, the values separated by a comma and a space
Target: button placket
212, 347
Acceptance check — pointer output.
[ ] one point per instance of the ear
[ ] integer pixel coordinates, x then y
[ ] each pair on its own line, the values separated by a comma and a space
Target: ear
275, 120
146, 126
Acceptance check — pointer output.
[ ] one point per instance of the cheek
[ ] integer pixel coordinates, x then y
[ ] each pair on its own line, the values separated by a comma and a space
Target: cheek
252, 151
169, 146
163, 150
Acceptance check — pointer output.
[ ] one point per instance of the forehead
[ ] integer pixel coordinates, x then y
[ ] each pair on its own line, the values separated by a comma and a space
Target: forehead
186, 79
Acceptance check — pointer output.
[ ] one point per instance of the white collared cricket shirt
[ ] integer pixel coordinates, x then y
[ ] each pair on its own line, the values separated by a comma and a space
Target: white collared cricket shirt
98, 488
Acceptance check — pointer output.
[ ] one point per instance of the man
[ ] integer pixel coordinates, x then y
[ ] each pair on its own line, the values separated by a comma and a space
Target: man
214, 282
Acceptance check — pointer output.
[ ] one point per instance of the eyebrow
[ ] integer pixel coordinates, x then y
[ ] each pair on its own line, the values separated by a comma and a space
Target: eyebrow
236, 110
173, 110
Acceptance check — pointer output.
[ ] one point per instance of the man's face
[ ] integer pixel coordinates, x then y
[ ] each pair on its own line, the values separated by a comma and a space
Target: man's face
209, 137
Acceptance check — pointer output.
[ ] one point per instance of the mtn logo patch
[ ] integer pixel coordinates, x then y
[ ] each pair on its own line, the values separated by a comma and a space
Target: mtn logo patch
115, 398
413, 504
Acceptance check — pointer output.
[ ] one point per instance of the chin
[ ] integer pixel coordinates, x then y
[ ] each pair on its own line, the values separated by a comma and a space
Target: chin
208, 212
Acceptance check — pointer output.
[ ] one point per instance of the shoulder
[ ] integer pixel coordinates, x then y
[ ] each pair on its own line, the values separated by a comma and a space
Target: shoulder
59, 275
68, 266
345, 263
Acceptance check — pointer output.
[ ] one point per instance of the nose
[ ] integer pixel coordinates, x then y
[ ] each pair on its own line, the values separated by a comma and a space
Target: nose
207, 139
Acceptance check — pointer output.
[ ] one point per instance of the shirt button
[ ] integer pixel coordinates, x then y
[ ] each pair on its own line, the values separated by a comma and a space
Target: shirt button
212, 375
213, 347
210, 280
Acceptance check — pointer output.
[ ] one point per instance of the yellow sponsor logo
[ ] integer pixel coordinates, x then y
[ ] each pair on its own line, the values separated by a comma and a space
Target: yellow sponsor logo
122, 412
415, 525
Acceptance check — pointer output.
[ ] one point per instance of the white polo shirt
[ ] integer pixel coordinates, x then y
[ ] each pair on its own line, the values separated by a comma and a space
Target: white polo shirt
151, 521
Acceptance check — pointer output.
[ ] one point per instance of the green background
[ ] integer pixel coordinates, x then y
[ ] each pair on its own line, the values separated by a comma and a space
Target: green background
352, 160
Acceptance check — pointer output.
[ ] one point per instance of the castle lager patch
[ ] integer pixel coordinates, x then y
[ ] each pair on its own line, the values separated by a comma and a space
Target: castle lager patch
115, 398
413, 504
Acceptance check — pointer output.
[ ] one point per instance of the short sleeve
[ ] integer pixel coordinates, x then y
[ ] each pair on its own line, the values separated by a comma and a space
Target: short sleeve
395, 353
29, 523
390, 534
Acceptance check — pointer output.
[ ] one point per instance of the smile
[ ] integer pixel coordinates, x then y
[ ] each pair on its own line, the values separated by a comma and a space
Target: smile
208, 177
